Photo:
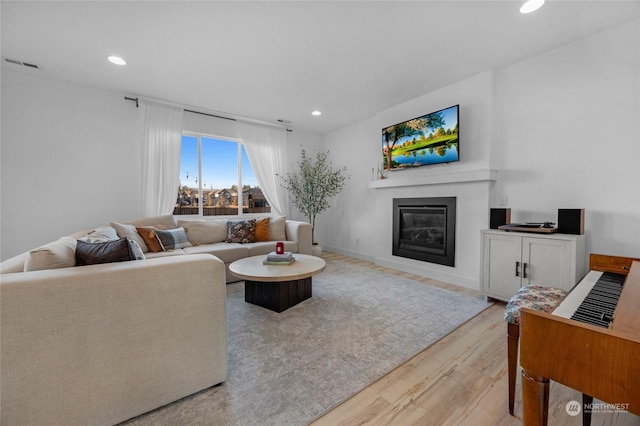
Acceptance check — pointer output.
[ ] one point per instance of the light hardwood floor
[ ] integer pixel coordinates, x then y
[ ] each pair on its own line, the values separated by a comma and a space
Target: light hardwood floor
459, 380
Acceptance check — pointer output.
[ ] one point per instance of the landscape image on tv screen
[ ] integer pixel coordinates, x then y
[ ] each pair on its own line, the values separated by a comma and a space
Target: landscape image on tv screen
430, 139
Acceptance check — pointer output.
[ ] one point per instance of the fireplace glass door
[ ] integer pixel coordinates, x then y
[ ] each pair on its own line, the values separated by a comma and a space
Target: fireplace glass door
423, 229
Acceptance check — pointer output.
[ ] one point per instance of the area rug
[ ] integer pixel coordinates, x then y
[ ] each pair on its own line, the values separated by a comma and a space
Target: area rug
292, 367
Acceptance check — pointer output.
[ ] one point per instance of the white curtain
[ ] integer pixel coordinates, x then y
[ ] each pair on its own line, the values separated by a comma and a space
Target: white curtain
266, 149
162, 139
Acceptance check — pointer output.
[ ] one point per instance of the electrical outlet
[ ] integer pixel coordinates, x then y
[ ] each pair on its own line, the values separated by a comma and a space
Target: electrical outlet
504, 201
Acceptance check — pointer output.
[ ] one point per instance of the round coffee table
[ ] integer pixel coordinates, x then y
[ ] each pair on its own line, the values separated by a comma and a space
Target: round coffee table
277, 287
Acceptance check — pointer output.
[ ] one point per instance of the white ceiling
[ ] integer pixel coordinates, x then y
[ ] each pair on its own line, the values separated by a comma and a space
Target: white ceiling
271, 60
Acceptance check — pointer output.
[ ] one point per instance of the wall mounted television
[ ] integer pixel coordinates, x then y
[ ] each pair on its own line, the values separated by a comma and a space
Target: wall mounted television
422, 141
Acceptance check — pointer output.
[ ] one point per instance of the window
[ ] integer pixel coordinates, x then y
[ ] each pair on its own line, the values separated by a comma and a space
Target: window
211, 171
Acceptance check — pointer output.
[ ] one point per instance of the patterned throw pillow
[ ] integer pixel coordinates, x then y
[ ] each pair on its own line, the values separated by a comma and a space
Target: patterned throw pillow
172, 239
241, 231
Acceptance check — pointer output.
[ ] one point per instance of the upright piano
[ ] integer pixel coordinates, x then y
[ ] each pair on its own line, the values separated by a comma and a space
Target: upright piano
590, 342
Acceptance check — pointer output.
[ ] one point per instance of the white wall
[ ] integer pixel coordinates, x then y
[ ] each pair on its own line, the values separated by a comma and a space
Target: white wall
562, 129
568, 136
70, 160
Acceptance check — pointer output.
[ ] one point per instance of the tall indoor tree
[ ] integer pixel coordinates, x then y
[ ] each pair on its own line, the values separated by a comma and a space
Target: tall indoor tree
311, 187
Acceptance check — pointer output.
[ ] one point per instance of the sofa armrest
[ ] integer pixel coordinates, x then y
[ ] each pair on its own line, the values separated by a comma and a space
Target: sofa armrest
100, 344
299, 232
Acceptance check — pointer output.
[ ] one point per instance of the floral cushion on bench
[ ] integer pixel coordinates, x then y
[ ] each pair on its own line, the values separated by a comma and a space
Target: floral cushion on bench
537, 297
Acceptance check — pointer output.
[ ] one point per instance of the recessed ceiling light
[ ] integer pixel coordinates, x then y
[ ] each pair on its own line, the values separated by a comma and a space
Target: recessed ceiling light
116, 60
531, 5
316, 112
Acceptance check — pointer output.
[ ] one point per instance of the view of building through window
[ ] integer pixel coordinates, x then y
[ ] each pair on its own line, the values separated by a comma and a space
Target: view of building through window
211, 171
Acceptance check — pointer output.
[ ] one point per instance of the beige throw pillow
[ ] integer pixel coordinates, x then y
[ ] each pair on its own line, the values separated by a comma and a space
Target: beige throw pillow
58, 254
129, 231
101, 234
277, 230
205, 231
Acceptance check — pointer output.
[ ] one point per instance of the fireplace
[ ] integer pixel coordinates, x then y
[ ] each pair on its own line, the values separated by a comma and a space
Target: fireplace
424, 229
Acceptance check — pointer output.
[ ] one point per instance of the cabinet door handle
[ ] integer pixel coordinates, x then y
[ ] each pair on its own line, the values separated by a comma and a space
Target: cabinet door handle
517, 269
524, 270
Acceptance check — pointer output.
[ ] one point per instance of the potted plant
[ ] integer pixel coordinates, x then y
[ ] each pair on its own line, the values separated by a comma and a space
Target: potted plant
311, 187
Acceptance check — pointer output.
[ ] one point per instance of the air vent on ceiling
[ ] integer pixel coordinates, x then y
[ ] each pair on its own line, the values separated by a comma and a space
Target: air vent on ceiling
24, 64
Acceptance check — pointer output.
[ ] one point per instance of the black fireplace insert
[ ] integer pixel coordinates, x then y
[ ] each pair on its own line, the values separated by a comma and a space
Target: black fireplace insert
424, 229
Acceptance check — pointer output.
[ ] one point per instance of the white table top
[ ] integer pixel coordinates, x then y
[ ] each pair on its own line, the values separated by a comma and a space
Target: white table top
251, 268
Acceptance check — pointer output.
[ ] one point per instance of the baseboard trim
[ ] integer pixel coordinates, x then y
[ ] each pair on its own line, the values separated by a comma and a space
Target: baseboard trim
412, 269
351, 253
429, 273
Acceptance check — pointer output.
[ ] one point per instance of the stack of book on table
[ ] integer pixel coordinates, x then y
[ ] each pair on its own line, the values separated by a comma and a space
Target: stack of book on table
279, 259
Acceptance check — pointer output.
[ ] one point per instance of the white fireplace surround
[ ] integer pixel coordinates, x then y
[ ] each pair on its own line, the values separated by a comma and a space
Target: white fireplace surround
472, 215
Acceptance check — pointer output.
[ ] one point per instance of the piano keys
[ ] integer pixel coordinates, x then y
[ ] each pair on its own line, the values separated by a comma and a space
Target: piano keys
594, 299
592, 347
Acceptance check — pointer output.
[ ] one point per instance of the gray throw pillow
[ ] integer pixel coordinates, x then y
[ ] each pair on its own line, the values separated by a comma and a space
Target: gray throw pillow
106, 252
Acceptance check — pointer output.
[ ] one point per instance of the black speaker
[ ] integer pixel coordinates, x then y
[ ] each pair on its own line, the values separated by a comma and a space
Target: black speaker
499, 217
571, 221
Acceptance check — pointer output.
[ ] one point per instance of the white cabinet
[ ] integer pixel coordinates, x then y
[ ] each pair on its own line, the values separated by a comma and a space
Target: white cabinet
511, 260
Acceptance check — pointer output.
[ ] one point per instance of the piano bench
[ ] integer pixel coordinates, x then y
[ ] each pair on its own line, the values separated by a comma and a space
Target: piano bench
536, 297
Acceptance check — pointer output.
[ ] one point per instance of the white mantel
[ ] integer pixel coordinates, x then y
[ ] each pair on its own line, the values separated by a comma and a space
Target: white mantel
456, 177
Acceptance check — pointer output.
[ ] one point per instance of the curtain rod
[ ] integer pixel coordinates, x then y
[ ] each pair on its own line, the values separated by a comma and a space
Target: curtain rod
210, 115
186, 110
194, 112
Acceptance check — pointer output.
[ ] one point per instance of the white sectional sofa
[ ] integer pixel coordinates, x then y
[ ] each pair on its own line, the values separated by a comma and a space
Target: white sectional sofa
101, 343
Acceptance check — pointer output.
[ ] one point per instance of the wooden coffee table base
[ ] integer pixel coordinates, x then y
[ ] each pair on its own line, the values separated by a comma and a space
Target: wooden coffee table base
277, 296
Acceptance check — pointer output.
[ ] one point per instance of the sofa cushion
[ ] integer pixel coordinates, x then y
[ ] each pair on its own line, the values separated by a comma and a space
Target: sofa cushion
129, 231
227, 252
148, 234
176, 252
241, 231
106, 252
171, 239
57, 254
277, 228
205, 231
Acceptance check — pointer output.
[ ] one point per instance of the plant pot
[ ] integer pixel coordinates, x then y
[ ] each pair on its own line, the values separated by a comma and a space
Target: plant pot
316, 250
